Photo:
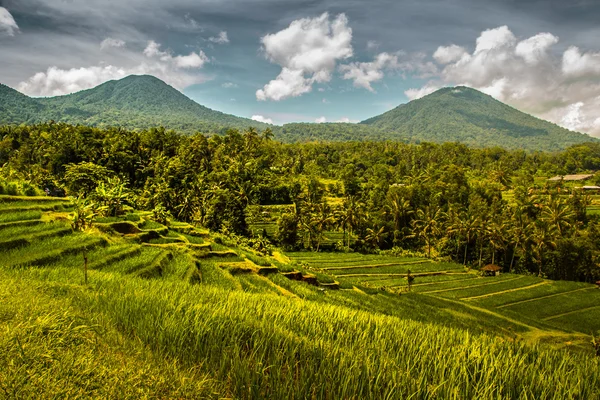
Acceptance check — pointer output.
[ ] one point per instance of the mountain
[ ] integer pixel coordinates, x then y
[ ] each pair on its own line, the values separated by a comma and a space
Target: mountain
466, 115
133, 102
458, 114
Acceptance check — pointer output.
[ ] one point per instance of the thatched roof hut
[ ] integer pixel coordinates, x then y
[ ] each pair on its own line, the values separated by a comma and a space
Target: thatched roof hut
491, 270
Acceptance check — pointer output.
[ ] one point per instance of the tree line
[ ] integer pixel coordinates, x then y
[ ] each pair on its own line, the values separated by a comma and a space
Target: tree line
474, 206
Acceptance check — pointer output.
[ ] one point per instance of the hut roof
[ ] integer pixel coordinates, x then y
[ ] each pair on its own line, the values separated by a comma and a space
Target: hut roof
591, 188
491, 267
576, 177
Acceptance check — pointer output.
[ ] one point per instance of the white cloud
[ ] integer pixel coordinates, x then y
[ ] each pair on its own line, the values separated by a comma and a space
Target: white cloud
110, 42
8, 25
308, 51
221, 39
372, 45
346, 120
576, 64
192, 60
321, 120
325, 101
528, 74
448, 54
534, 49
260, 118
178, 71
365, 73
229, 85
417, 93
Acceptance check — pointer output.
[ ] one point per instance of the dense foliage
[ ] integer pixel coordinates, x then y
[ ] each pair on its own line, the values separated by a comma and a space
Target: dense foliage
475, 206
132, 102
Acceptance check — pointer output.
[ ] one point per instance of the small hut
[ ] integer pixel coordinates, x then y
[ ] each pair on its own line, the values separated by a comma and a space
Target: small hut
598, 284
491, 270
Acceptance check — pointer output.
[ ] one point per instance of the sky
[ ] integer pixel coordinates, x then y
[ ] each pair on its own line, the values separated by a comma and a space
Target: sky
284, 61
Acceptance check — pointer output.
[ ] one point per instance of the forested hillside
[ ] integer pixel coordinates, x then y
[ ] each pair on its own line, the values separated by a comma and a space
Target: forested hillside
134, 102
468, 116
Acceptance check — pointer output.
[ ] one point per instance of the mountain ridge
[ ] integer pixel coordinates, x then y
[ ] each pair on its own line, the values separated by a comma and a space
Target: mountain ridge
133, 102
452, 114
474, 118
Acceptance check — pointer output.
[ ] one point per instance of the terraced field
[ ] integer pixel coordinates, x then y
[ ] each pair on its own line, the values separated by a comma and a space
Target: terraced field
563, 307
35, 232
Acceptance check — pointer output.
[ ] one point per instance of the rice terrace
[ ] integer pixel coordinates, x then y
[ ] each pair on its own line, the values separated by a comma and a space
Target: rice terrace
388, 208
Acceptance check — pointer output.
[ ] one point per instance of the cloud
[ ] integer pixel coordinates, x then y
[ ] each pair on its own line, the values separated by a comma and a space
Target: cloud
229, 85
343, 120
448, 54
221, 39
417, 93
534, 49
110, 42
260, 118
325, 101
576, 64
178, 71
528, 74
372, 45
365, 73
8, 25
308, 51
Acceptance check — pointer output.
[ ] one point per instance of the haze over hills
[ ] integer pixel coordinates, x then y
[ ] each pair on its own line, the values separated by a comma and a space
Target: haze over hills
133, 102
458, 114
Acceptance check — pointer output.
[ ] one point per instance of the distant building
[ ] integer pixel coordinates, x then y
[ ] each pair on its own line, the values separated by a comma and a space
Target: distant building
577, 177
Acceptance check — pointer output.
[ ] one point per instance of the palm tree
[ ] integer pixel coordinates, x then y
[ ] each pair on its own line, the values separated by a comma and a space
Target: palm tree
427, 225
541, 240
520, 234
557, 214
375, 236
400, 209
351, 215
465, 225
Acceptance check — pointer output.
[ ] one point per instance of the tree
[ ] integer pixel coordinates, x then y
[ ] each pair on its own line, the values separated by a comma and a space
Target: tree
426, 225
557, 214
375, 236
541, 240
287, 230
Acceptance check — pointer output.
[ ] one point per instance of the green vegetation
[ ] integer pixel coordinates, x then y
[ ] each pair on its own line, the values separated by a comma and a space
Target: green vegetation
134, 102
449, 115
468, 116
246, 268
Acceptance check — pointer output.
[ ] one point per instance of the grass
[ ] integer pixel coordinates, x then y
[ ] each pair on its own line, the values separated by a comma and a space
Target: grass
266, 346
397, 269
48, 250
196, 331
51, 348
460, 284
564, 303
551, 289
20, 216
507, 284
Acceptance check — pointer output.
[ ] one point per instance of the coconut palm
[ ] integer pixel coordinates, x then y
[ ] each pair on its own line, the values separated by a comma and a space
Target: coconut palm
375, 236
558, 215
427, 225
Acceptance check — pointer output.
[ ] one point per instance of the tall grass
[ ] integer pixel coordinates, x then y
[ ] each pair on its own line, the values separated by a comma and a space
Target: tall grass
273, 347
